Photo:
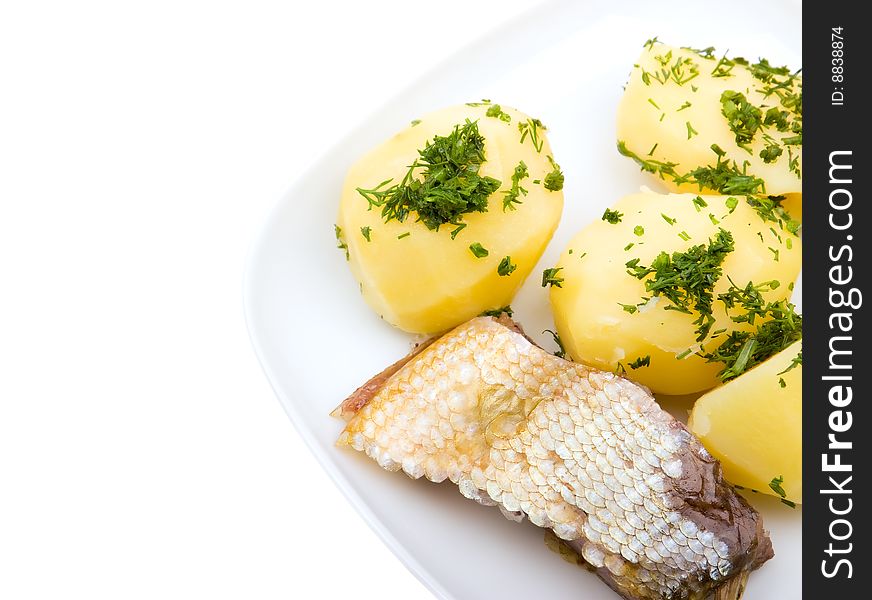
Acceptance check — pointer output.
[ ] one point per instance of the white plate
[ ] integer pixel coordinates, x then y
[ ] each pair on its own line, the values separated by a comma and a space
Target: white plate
317, 340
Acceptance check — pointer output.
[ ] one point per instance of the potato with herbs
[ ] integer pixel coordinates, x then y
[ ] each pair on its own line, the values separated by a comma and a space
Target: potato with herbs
701, 121
670, 289
446, 219
753, 425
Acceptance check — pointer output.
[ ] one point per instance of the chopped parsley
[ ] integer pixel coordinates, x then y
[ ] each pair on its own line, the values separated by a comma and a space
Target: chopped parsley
496, 112
687, 279
510, 197
642, 361
478, 250
561, 350
449, 187
506, 268
612, 216
340, 241
554, 179
549, 277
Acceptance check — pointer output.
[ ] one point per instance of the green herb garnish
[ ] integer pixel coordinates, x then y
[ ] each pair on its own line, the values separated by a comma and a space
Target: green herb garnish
404, 235
779, 326
743, 118
687, 279
690, 130
639, 230
449, 187
549, 277
554, 179
663, 169
531, 128
510, 196
496, 312
506, 268
478, 250
797, 360
612, 216
367, 232
340, 241
775, 485
496, 112
642, 361
561, 350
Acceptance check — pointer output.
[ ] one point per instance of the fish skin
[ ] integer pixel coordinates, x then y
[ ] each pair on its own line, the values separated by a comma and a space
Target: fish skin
581, 451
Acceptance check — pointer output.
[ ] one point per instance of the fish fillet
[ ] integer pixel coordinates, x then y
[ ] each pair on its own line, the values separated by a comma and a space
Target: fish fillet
583, 452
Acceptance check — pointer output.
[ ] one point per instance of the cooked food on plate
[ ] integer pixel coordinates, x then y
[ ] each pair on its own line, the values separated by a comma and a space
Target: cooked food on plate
698, 120
578, 450
753, 425
447, 218
675, 293
662, 286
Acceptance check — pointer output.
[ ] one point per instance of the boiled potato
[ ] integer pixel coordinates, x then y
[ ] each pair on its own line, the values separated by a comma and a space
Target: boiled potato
675, 108
597, 329
753, 425
426, 280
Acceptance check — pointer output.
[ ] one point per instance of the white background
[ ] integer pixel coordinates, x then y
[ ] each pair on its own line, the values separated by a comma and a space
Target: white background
142, 453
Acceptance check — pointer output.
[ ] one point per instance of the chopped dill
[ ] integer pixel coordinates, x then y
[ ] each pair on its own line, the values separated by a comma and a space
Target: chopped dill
612, 216
478, 250
549, 277
506, 268
450, 185
510, 196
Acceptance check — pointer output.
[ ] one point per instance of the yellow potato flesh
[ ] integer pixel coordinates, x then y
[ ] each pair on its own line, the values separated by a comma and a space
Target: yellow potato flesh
753, 425
652, 114
596, 330
427, 282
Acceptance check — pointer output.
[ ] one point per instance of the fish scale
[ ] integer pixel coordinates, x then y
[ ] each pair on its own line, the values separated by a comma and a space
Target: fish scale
583, 452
